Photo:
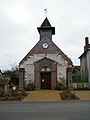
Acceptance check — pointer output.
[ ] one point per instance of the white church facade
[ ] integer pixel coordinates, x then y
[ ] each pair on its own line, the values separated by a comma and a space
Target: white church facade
45, 65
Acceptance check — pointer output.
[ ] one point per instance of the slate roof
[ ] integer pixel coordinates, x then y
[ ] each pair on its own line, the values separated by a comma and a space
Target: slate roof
52, 49
46, 23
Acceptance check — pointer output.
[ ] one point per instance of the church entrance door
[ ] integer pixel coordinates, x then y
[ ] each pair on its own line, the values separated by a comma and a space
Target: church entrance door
46, 80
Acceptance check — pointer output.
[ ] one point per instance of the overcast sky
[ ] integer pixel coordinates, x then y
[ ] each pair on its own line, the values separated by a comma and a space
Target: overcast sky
19, 20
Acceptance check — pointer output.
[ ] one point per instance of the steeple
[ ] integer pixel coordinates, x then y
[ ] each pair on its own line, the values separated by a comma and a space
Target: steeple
46, 29
46, 23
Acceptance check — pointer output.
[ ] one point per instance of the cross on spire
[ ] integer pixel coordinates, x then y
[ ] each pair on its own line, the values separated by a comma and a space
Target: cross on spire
45, 11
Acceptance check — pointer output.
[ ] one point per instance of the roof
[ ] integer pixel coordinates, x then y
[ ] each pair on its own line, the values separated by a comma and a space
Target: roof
46, 23
86, 47
77, 68
52, 49
45, 58
84, 53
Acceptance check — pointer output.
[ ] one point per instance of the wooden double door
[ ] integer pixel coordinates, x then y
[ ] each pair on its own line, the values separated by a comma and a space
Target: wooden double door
46, 80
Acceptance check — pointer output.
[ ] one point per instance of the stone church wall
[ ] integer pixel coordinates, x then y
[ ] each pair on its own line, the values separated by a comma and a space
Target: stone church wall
29, 66
61, 67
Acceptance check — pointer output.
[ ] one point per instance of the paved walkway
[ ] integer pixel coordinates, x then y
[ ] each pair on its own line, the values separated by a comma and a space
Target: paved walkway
83, 95
52, 96
43, 96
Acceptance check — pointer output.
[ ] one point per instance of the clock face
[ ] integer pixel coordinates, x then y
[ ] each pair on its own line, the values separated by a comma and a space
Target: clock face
45, 45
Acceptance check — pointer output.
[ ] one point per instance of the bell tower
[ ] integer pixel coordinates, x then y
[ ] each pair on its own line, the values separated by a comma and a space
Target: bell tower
46, 29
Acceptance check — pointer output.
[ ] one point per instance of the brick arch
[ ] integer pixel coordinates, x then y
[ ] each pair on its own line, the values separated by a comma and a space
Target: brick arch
53, 67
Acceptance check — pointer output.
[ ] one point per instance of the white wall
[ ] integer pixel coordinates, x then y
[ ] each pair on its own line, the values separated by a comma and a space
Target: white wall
29, 66
88, 65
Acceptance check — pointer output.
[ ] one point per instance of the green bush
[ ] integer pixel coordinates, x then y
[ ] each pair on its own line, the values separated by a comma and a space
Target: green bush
2, 87
3, 81
61, 87
23, 92
68, 95
71, 95
15, 96
30, 87
2, 90
11, 86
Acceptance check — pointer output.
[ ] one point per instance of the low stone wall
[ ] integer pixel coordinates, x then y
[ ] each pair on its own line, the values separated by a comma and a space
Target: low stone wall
80, 85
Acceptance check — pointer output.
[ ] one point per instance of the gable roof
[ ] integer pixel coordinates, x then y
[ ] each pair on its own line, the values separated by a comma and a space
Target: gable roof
52, 49
83, 54
45, 59
86, 47
45, 62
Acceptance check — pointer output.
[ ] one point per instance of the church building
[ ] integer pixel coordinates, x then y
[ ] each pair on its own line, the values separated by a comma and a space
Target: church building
45, 65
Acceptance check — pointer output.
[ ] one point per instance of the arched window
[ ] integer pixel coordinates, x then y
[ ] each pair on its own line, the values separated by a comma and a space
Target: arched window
45, 69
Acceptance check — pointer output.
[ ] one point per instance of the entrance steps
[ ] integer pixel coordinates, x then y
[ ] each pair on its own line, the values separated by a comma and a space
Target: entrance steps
43, 96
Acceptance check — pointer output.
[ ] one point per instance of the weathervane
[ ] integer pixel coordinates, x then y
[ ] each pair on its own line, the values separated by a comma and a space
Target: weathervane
45, 11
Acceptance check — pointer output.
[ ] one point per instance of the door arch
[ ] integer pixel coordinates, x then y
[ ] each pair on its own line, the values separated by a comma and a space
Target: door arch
45, 71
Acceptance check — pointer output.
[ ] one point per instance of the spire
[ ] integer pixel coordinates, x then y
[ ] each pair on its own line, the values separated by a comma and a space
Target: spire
46, 23
46, 29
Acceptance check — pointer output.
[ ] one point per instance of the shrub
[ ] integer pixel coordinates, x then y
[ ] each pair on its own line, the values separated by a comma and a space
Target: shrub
2, 87
11, 86
4, 81
30, 87
58, 88
16, 96
23, 92
68, 95
61, 87
64, 95
2, 90
71, 95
